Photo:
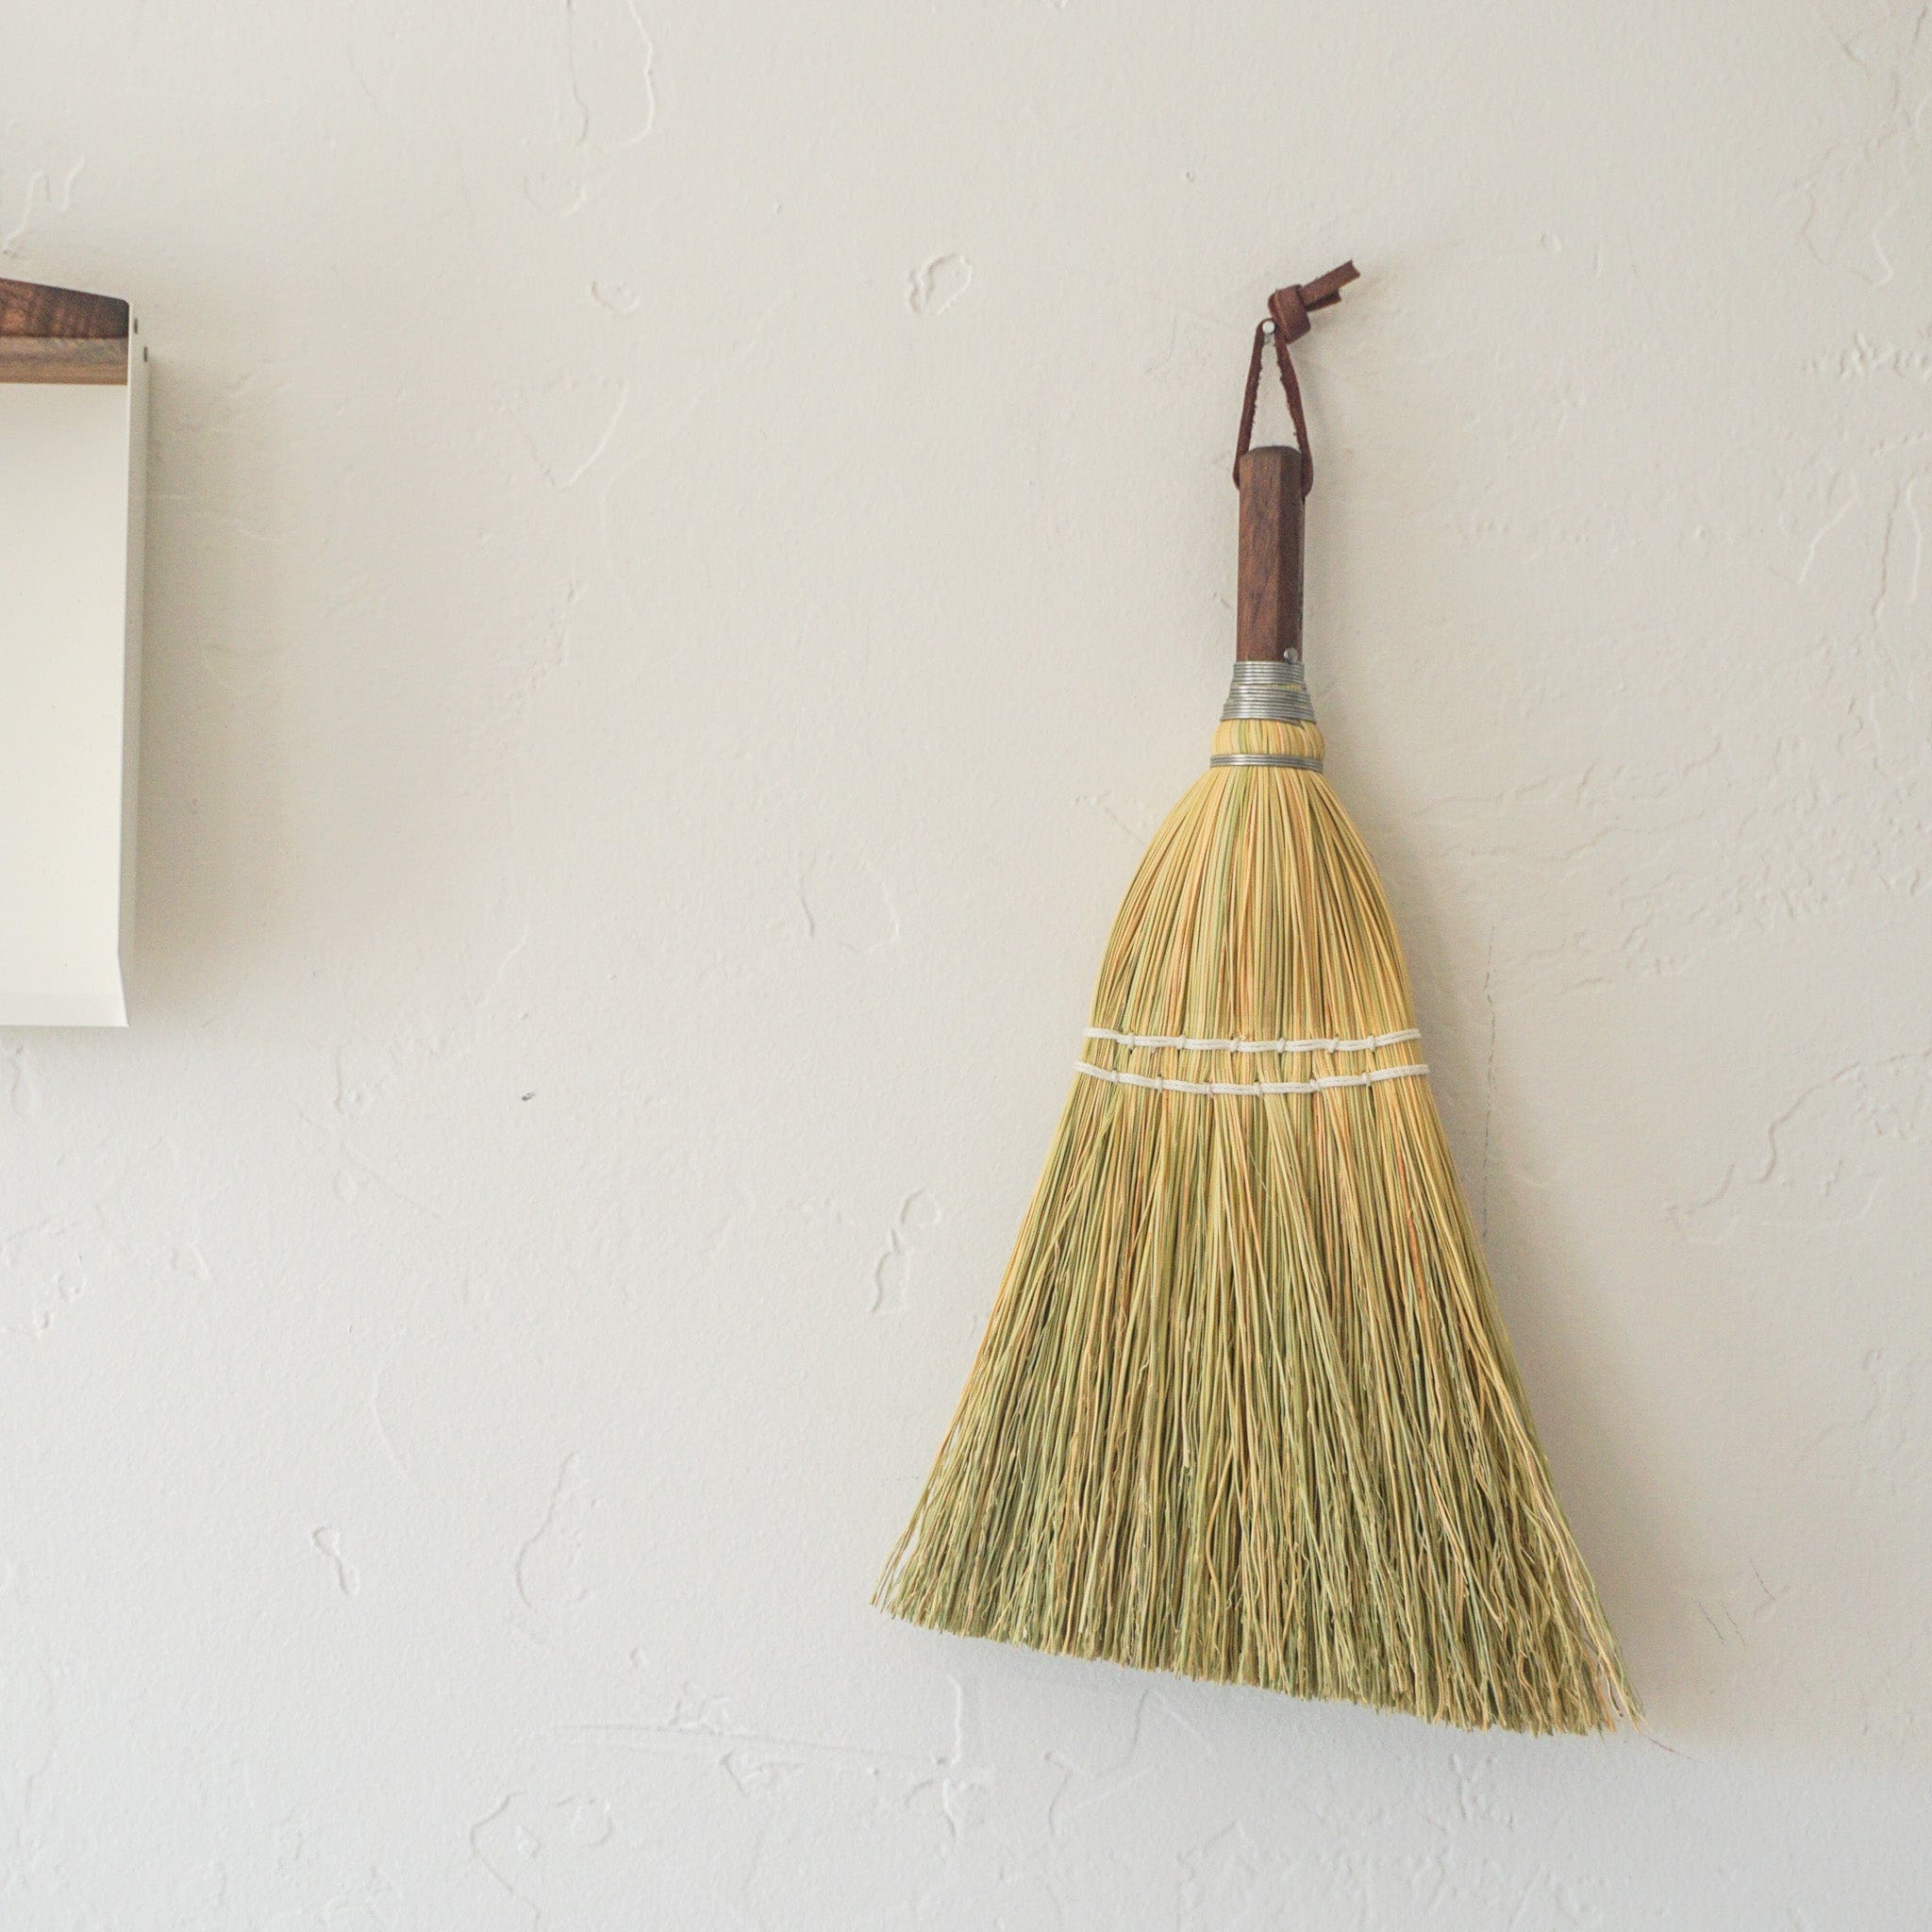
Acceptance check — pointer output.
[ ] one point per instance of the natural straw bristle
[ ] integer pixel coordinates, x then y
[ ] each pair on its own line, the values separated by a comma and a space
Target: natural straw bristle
1245, 1409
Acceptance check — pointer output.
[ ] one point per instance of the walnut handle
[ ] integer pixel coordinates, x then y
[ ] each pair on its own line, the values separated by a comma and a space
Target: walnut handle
1268, 605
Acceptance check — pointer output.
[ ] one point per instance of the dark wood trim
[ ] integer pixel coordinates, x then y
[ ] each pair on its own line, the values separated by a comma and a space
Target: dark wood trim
29, 308
61, 335
62, 359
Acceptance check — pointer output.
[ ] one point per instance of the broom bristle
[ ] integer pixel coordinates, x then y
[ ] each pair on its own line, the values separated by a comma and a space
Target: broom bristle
1245, 1409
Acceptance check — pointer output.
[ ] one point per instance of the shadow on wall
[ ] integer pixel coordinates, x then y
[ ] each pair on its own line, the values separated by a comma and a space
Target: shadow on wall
215, 738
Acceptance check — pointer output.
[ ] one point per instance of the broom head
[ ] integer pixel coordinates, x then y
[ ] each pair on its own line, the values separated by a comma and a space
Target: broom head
1245, 1409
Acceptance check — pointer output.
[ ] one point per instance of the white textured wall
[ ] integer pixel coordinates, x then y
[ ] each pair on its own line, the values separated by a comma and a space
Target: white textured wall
690, 548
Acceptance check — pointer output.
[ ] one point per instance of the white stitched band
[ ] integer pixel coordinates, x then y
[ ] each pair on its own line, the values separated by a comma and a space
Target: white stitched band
1374, 1039
1239, 1087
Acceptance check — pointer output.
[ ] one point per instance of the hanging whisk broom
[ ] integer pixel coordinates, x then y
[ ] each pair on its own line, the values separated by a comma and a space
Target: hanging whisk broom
1245, 1409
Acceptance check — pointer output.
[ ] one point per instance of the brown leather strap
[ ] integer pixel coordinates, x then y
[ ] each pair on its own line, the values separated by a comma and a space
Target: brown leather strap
1288, 321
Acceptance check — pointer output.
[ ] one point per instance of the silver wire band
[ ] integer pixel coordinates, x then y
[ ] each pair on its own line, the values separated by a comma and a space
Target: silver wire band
1289, 759
1269, 689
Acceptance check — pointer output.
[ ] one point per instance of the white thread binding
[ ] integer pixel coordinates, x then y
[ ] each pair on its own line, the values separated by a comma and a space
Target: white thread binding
1368, 1079
1256, 1045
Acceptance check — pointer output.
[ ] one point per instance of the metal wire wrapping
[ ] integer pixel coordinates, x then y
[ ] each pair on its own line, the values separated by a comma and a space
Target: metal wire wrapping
1275, 690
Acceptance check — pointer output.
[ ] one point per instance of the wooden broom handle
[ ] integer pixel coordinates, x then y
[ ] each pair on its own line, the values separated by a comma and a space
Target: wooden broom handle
1268, 605
1274, 481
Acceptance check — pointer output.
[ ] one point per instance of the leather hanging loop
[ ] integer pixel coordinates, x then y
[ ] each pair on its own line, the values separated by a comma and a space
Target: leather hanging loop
1249, 398
1286, 321
1288, 310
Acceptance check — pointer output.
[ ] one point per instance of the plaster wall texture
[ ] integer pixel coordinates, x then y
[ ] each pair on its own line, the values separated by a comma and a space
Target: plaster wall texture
689, 547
